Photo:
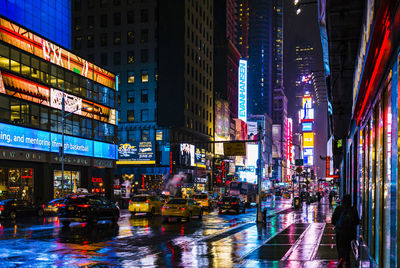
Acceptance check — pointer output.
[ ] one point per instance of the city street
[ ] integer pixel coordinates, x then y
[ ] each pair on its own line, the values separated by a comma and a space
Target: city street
216, 240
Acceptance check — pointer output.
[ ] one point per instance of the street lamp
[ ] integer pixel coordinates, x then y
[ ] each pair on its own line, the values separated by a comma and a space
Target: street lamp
62, 136
298, 4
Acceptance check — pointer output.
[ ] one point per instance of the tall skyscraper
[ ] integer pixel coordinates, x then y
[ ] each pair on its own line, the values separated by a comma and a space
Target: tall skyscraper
163, 53
277, 46
260, 57
243, 14
50, 19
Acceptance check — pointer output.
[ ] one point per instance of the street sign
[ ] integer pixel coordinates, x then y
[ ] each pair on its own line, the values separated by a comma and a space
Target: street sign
299, 169
234, 148
299, 162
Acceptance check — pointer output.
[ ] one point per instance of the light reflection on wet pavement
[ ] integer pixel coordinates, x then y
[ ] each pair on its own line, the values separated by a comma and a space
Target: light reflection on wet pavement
216, 240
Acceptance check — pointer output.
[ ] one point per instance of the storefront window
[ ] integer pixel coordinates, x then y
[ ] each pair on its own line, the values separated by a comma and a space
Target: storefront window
72, 181
16, 183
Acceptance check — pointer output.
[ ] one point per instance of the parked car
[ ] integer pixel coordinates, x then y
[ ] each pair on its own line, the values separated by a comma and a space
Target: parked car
204, 201
149, 204
53, 206
181, 208
234, 203
87, 208
15, 208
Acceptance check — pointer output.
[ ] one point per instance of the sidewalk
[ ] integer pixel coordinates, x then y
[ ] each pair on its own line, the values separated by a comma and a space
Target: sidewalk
307, 241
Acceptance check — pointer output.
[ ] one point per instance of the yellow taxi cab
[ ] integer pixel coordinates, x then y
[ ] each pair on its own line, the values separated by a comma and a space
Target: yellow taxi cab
286, 195
181, 208
149, 204
203, 200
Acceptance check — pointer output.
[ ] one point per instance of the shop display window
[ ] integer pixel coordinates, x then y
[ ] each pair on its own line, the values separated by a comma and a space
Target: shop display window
72, 181
16, 183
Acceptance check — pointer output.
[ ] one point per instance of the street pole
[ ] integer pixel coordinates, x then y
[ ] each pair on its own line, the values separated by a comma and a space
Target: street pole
62, 144
259, 177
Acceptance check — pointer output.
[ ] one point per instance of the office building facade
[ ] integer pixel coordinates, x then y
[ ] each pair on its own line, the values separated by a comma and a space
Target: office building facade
51, 19
35, 76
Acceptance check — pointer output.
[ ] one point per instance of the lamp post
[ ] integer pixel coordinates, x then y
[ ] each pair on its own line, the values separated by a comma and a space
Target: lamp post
63, 115
259, 177
298, 4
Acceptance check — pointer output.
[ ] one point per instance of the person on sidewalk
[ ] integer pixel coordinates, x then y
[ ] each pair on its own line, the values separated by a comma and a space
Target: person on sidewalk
345, 218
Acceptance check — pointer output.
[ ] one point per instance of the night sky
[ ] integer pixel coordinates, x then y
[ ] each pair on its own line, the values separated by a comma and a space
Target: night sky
300, 29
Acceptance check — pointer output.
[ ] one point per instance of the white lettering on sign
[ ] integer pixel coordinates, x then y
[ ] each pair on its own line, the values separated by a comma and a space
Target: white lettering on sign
242, 90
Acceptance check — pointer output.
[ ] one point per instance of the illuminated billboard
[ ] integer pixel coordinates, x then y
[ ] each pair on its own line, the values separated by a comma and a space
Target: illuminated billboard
138, 152
306, 114
307, 126
307, 102
23, 39
22, 88
187, 156
308, 160
308, 152
308, 139
242, 90
32, 139
289, 140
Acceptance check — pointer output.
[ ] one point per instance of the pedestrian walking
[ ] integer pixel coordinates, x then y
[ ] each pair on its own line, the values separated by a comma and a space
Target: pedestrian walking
345, 218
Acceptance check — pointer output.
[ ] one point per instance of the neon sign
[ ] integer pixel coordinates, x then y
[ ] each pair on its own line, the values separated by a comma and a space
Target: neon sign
242, 90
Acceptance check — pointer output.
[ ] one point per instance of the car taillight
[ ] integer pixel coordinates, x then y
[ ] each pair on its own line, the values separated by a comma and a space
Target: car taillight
234, 203
164, 207
1, 207
43, 206
61, 205
83, 206
182, 208
219, 202
147, 200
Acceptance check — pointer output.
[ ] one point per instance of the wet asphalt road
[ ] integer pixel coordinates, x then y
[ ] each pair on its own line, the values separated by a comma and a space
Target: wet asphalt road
216, 240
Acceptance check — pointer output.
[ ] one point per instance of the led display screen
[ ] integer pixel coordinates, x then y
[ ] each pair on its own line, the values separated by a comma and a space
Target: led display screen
34, 44
138, 152
187, 156
32, 139
308, 151
307, 126
28, 90
307, 114
308, 139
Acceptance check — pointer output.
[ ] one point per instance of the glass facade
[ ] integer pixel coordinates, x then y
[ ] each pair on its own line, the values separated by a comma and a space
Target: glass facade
49, 18
16, 183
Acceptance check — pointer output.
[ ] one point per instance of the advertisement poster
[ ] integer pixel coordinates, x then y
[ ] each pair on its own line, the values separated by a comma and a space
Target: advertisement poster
187, 156
138, 152
200, 157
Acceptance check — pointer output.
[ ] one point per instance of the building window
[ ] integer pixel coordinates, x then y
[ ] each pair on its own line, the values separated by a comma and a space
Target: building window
144, 36
90, 41
90, 3
131, 37
90, 57
131, 57
144, 15
117, 58
144, 115
90, 22
117, 39
131, 77
77, 23
130, 96
77, 5
145, 76
131, 135
103, 59
103, 39
159, 135
130, 16
145, 135
144, 55
103, 20
117, 2
119, 100
130, 2
103, 3
78, 42
144, 96
117, 18
130, 115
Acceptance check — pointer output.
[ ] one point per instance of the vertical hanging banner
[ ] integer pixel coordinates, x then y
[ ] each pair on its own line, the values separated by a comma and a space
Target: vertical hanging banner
242, 90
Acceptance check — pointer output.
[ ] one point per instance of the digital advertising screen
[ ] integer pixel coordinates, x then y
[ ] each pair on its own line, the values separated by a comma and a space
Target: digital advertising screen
137, 152
307, 126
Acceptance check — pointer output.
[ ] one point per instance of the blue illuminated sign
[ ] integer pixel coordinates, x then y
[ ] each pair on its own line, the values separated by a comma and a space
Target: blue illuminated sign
242, 92
32, 139
307, 126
